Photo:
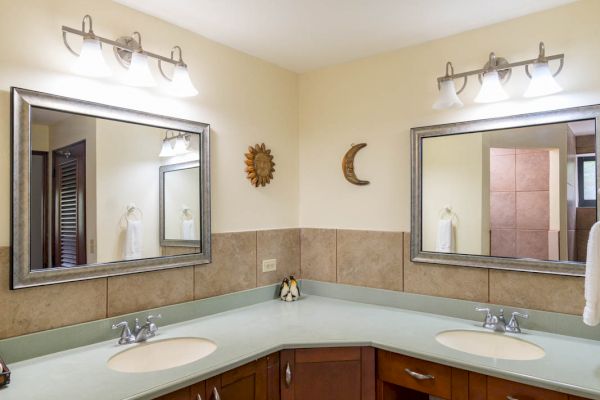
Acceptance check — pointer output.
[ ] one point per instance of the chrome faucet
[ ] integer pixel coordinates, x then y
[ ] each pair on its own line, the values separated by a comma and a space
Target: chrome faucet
498, 323
140, 333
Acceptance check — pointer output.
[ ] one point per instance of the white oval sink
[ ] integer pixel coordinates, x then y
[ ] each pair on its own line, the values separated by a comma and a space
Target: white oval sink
162, 354
490, 344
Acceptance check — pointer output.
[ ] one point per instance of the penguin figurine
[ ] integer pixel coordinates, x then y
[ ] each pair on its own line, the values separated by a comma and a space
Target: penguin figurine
294, 288
284, 289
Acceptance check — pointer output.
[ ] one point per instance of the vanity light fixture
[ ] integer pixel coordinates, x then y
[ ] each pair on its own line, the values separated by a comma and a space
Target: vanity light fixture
130, 54
496, 72
175, 145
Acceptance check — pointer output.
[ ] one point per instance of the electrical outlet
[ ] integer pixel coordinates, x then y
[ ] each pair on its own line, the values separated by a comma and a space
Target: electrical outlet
269, 265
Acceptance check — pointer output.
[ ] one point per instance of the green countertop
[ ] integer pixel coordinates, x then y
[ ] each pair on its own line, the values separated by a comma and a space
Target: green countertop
571, 364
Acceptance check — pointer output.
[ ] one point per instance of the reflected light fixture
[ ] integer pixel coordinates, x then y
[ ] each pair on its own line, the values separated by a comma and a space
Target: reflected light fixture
90, 60
181, 83
542, 79
496, 72
175, 145
130, 54
448, 97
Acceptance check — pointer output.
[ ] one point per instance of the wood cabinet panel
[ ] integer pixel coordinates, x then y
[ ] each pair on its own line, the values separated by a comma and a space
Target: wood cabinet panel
198, 391
182, 394
500, 389
396, 368
477, 386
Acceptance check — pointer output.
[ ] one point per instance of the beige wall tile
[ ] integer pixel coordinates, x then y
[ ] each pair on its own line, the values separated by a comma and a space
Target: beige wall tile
537, 291
368, 258
318, 254
283, 245
136, 292
444, 280
47, 307
233, 266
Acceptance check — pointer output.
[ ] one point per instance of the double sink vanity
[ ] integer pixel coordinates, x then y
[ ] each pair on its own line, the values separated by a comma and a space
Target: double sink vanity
316, 348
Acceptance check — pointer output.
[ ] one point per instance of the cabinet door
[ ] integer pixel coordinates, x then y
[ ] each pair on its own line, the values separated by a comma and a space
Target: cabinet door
182, 394
328, 374
198, 391
500, 389
248, 382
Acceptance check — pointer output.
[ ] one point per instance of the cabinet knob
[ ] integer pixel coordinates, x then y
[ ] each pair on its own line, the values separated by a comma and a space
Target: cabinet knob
420, 377
216, 394
288, 375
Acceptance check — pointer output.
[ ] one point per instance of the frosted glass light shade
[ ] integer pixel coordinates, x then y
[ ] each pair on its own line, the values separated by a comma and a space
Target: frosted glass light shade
91, 61
139, 73
491, 89
181, 146
542, 82
182, 85
447, 97
167, 149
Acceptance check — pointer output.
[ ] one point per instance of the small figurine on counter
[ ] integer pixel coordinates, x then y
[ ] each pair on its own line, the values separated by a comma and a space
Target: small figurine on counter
289, 289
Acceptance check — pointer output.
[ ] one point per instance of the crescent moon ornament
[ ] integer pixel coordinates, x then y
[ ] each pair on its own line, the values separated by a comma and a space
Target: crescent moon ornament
348, 165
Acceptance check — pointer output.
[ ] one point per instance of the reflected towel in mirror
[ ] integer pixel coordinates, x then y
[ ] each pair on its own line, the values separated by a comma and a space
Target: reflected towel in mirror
133, 240
444, 242
188, 230
591, 315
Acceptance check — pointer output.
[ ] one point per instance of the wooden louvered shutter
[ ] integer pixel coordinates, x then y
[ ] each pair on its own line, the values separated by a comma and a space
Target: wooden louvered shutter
69, 207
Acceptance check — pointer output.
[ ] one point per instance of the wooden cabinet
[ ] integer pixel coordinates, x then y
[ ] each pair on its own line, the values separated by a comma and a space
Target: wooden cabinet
344, 373
500, 389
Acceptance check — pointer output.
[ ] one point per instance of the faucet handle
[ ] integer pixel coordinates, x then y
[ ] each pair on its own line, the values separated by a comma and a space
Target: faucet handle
488, 315
150, 318
513, 324
152, 327
126, 335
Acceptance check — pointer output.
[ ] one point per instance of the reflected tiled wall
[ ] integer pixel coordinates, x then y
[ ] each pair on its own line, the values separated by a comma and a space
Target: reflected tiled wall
363, 258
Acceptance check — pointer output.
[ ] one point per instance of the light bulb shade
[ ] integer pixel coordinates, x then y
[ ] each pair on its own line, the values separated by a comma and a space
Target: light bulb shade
166, 149
182, 85
542, 82
91, 61
447, 97
491, 89
139, 73
181, 146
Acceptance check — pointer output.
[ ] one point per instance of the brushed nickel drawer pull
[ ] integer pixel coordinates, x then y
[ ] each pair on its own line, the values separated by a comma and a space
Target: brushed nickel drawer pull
288, 375
511, 398
420, 377
216, 394
199, 397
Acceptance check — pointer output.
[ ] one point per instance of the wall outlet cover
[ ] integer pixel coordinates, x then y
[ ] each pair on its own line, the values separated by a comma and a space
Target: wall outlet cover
269, 265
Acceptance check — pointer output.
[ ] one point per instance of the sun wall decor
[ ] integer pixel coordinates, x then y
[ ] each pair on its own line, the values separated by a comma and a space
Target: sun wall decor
259, 165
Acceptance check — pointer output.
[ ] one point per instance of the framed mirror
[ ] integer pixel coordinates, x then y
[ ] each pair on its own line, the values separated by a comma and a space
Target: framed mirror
515, 193
87, 187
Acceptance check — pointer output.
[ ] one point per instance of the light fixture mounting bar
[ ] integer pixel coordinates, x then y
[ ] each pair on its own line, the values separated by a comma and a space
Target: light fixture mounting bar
480, 71
66, 29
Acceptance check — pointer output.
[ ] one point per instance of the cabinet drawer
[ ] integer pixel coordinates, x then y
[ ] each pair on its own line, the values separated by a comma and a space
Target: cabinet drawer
423, 376
500, 389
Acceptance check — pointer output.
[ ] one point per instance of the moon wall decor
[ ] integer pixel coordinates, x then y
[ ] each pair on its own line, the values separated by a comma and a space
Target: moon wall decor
259, 165
348, 165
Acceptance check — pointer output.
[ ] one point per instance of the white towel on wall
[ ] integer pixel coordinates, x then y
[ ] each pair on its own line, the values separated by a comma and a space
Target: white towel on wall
188, 229
133, 240
444, 242
591, 313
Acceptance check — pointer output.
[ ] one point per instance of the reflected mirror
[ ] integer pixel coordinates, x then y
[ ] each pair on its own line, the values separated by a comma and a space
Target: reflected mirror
519, 196
110, 190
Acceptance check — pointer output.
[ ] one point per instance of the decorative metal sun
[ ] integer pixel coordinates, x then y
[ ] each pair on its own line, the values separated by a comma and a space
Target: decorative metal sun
259, 165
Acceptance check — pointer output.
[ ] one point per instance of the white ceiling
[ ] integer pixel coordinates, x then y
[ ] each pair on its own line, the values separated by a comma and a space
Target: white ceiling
302, 35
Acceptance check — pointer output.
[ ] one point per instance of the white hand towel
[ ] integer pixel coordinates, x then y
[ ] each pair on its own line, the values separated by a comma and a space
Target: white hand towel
591, 315
133, 240
188, 229
444, 236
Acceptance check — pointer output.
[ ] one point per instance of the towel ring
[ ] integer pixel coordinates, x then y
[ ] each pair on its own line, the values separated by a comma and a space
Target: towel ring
131, 211
446, 211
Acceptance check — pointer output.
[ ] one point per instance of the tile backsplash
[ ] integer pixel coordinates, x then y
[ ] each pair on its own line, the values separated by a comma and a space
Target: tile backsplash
362, 258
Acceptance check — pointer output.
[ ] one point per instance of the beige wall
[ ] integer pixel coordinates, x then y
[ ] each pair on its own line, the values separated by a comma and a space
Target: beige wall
378, 99
452, 176
245, 100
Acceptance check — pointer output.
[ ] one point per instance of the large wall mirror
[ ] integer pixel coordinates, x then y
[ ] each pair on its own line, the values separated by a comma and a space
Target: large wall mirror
90, 195
512, 193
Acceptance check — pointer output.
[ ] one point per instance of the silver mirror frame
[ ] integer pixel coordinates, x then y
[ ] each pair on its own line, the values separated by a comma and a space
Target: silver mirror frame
163, 241
516, 264
22, 100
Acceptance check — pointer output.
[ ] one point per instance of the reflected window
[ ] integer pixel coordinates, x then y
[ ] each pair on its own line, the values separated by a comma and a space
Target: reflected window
586, 174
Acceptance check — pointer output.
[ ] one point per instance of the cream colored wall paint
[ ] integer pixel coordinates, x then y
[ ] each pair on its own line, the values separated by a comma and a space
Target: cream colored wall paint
181, 190
377, 100
246, 100
40, 139
452, 175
